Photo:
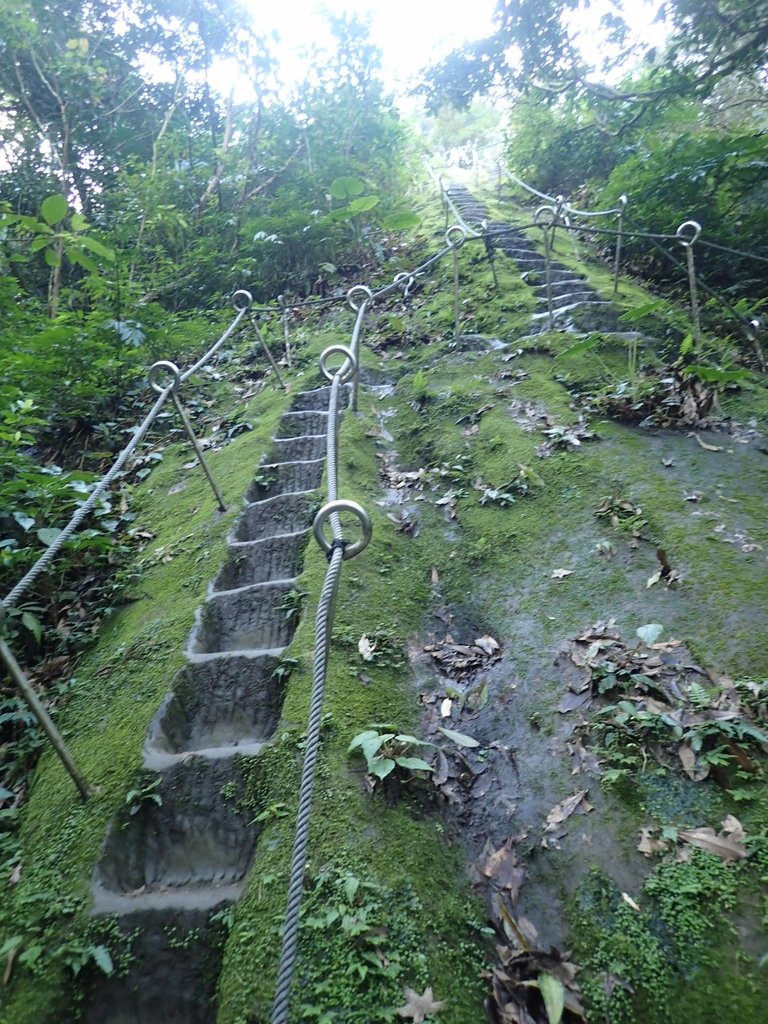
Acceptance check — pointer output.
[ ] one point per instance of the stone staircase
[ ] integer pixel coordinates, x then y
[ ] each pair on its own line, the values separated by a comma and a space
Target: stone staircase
577, 306
180, 851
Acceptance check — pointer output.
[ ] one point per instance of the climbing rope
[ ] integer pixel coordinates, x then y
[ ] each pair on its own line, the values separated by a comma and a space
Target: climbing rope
337, 550
164, 392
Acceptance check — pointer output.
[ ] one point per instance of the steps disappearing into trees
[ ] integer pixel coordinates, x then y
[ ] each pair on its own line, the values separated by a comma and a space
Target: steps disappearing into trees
179, 852
576, 305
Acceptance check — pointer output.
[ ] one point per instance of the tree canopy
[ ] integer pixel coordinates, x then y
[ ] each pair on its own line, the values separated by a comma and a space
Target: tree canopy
536, 46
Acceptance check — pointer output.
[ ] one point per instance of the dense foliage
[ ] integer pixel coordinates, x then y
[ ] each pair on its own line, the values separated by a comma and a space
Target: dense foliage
134, 198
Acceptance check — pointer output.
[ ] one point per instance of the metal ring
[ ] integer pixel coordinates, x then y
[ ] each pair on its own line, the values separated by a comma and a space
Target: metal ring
688, 242
347, 369
247, 300
545, 209
156, 368
359, 288
406, 281
452, 230
350, 550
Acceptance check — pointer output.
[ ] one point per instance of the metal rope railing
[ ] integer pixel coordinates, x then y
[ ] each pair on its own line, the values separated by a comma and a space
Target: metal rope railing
337, 550
559, 218
242, 301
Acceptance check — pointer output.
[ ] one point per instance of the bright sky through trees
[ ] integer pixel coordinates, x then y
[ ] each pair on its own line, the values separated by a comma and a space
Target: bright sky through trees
414, 33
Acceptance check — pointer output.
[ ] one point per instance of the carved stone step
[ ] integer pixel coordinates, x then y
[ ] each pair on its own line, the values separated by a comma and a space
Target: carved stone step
298, 424
247, 619
296, 449
181, 836
287, 513
184, 952
285, 478
217, 708
262, 561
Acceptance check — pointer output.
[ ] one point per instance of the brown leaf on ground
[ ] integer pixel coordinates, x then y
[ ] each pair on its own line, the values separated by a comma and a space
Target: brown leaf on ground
732, 827
704, 445
648, 844
419, 1007
720, 845
518, 981
565, 809
695, 772
502, 867
458, 661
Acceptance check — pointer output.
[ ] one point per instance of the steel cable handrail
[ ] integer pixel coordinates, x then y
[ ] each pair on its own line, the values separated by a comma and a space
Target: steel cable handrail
338, 550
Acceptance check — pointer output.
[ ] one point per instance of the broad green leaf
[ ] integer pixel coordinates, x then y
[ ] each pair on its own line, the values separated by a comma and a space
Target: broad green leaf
458, 738
25, 522
361, 738
650, 634
79, 257
52, 258
351, 885
47, 535
39, 243
98, 248
591, 341
363, 204
415, 764
33, 624
78, 222
101, 957
401, 220
553, 993
346, 187
382, 767
54, 209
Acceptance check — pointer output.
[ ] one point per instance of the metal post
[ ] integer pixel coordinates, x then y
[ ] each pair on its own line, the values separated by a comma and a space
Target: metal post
361, 311
545, 217
43, 718
443, 200
198, 451
489, 254
164, 365
688, 243
286, 334
619, 232
753, 332
456, 329
267, 353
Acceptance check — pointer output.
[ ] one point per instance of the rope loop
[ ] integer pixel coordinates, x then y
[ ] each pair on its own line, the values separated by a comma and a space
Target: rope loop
453, 230
405, 281
362, 288
242, 300
347, 368
688, 241
539, 216
163, 365
342, 505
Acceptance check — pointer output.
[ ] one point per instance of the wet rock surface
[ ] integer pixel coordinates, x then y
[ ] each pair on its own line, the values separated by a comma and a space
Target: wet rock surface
181, 848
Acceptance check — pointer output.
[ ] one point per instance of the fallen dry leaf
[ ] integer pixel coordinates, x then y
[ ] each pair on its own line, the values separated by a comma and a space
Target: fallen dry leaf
502, 867
418, 1007
559, 574
688, 760
445, 708
630, 902
705, 446
648, 844
565, 809
719, 845
366, 648
732, 827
